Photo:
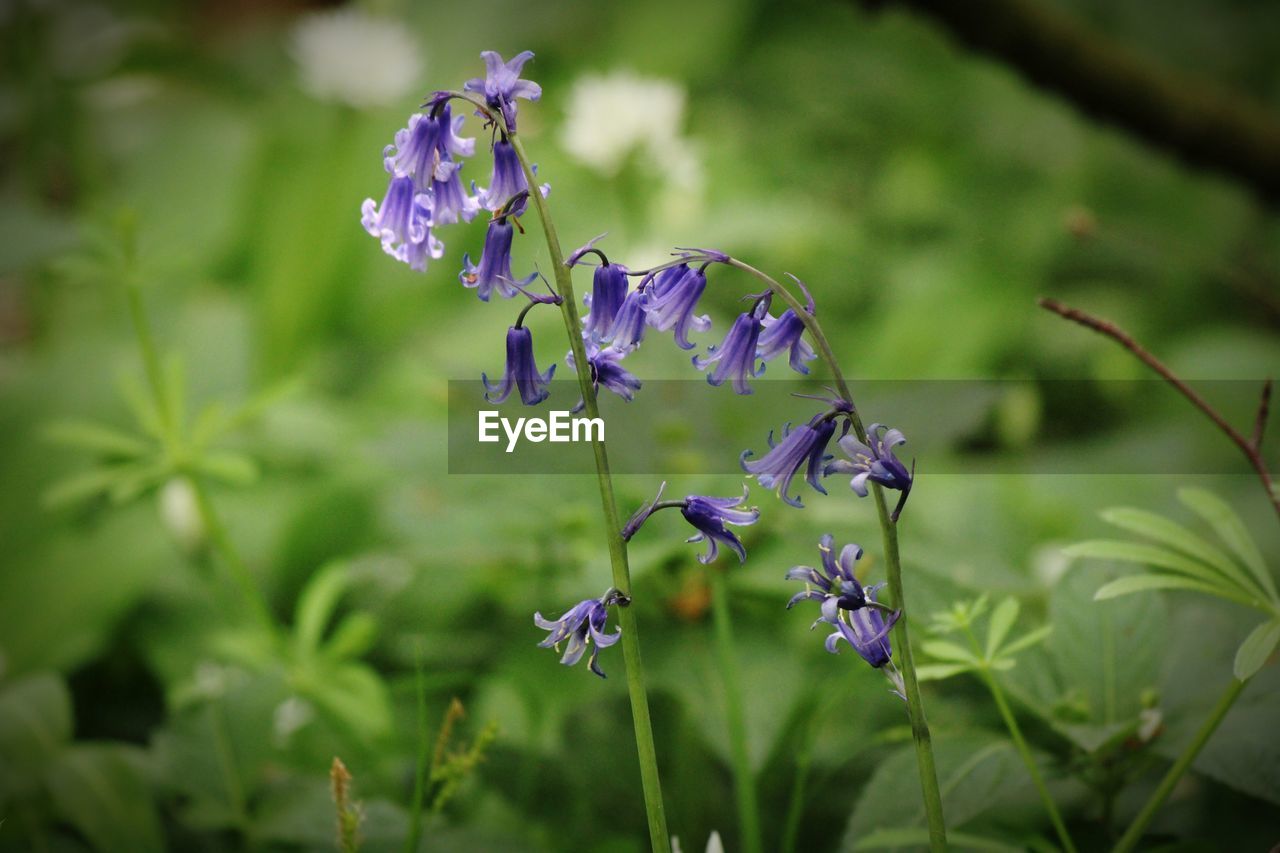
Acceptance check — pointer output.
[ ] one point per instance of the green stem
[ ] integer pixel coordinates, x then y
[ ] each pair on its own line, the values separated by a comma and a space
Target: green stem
420, 767
804, 760
658, 835
1015, 732
236, 565
744, 783
1133, 834
925, 764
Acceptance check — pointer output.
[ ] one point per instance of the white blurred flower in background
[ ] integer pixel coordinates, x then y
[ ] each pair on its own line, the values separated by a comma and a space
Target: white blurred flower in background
611, 117
355, 59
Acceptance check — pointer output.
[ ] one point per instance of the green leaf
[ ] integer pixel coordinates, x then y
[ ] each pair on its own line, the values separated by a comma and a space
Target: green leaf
940, 671
80, 487
354, 636
175, 391
228, 466
101, 790
890, 839
316, 605
1109, 653
1256, 648
1002, 619
976, 774
1148, 555
1224, 521
1027, 640
1146, 582
943, 650
1176, 536
354, 696
96, 438
35, 724
143, 407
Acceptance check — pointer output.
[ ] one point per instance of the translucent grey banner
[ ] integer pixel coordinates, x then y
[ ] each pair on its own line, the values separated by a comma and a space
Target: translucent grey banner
681, 427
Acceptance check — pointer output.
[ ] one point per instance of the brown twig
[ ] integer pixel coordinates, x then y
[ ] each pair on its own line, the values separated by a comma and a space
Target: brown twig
1251, 448
1260, 420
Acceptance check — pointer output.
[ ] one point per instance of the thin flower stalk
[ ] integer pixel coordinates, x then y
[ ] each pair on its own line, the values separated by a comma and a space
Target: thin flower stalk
925, 763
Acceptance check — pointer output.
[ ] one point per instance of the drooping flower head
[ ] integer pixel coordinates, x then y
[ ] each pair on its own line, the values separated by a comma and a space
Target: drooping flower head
580, 627
494, 270
403, 223
507, 179
845, 604
521, 372
627, 329
736, 357
785, 333
802, 447
710, 515
874, 461
424, 151
502, 85
607, 370
673, 297
608, 290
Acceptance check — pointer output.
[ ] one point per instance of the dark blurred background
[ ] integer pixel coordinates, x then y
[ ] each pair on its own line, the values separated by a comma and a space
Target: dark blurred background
925, 191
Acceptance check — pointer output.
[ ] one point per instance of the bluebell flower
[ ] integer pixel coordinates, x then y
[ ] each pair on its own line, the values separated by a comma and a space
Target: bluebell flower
710, 515
494, 270
627, 330
673, 297
736, 357
607, 370
579, 628
867, 631
424, 151
507, 179
608, 290
845, 604
876, 462
521, 372
802, 447
403, 223
502, 85
786, 334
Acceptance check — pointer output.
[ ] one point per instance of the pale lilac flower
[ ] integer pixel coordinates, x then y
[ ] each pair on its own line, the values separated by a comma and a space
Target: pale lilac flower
403, 223
876, 462
502, 85
494, 270
580, 627
736, 357
867, 631
802, 447
627, 330
521, 372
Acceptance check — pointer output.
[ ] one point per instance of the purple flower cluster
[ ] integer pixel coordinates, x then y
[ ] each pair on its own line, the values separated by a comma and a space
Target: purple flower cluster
425, 192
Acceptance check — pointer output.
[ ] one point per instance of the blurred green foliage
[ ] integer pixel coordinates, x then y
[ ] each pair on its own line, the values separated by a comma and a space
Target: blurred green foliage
925, 196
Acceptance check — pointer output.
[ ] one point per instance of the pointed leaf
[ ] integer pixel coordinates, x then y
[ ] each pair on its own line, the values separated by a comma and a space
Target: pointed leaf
1176, 536
95, 438
79, 487
175, 391
1002, 619
1256, 648
1224, 521
228, 466
1027, 640
1146, 582
142, 406
940, 671
1150, 555
943, 650
316, 605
